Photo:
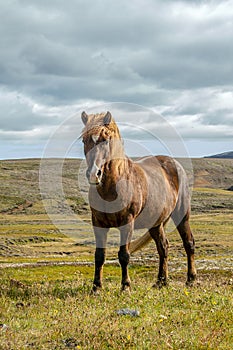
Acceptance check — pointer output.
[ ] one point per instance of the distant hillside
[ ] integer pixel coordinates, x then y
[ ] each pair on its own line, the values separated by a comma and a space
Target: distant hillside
19, 182
213, 172
225, 155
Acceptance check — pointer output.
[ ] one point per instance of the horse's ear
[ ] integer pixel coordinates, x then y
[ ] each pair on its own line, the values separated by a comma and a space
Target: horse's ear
107, 118
84, 117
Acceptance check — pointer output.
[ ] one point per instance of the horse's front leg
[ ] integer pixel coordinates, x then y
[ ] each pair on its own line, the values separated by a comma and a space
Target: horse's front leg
100, 252
124, 255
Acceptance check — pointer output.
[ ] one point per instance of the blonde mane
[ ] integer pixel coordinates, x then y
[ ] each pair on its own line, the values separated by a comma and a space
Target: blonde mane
96, 123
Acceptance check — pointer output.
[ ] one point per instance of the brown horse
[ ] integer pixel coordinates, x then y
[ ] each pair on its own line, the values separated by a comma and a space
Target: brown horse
127, 195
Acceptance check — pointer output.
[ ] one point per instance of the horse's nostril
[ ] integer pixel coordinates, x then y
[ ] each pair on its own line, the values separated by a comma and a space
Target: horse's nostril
99, 173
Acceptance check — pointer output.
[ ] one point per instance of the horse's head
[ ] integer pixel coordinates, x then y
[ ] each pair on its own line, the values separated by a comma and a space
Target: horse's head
99, 137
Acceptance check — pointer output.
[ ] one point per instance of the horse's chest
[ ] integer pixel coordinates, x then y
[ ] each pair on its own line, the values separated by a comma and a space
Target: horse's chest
117, 219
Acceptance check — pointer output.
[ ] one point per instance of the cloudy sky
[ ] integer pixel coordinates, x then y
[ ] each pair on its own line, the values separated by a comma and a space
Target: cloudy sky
172, 57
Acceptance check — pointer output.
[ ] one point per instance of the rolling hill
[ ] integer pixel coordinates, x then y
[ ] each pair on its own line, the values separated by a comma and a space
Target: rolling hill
19, 182
224, 155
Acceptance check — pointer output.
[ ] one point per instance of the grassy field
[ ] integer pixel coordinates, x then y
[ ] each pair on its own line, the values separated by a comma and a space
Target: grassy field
46, 277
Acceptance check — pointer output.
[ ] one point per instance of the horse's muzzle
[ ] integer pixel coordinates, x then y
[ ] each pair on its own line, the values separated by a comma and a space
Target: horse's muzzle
94, 177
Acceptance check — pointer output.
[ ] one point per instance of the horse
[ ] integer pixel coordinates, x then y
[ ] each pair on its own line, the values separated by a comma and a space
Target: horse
128, 195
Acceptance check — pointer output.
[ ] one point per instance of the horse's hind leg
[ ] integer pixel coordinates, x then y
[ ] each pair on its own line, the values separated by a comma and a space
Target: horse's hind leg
189, 244
124, 255
158, 234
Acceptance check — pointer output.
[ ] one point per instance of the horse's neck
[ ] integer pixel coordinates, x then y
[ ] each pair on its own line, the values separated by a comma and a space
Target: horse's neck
118, 160
117, 149
118, 165
116, 169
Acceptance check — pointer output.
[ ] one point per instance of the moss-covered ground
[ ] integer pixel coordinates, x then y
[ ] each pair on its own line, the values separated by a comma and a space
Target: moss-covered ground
46, 278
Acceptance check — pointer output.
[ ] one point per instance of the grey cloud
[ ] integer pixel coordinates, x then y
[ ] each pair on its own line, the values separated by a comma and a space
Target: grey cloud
111, 43
18, 115
220, 117
174, 56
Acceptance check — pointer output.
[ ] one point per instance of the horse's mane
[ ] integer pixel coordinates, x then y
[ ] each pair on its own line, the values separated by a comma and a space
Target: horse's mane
96, 122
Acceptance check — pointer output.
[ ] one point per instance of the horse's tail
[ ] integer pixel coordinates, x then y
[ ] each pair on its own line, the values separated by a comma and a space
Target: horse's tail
139, 242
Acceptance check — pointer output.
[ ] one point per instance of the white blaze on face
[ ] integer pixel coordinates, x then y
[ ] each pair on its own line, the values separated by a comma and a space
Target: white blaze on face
95, 170
94, 174
95, 138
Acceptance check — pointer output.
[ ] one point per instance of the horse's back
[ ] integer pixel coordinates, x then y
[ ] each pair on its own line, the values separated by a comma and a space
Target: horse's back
161, 165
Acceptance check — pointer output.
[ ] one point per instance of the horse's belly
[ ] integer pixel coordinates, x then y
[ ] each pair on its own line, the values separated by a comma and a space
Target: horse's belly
158, 208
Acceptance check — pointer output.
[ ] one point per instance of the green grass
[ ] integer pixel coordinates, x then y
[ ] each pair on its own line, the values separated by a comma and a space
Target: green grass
50, 307
53, 309
211, 200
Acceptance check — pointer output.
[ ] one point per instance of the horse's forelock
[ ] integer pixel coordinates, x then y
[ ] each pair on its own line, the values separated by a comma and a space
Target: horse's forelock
96, 123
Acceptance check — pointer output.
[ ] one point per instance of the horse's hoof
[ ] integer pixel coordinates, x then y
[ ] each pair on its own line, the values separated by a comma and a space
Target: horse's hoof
95, 290
160, 284
126, 289
190, 281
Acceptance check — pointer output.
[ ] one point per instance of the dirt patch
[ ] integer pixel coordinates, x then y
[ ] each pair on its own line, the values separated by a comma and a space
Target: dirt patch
21, 208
